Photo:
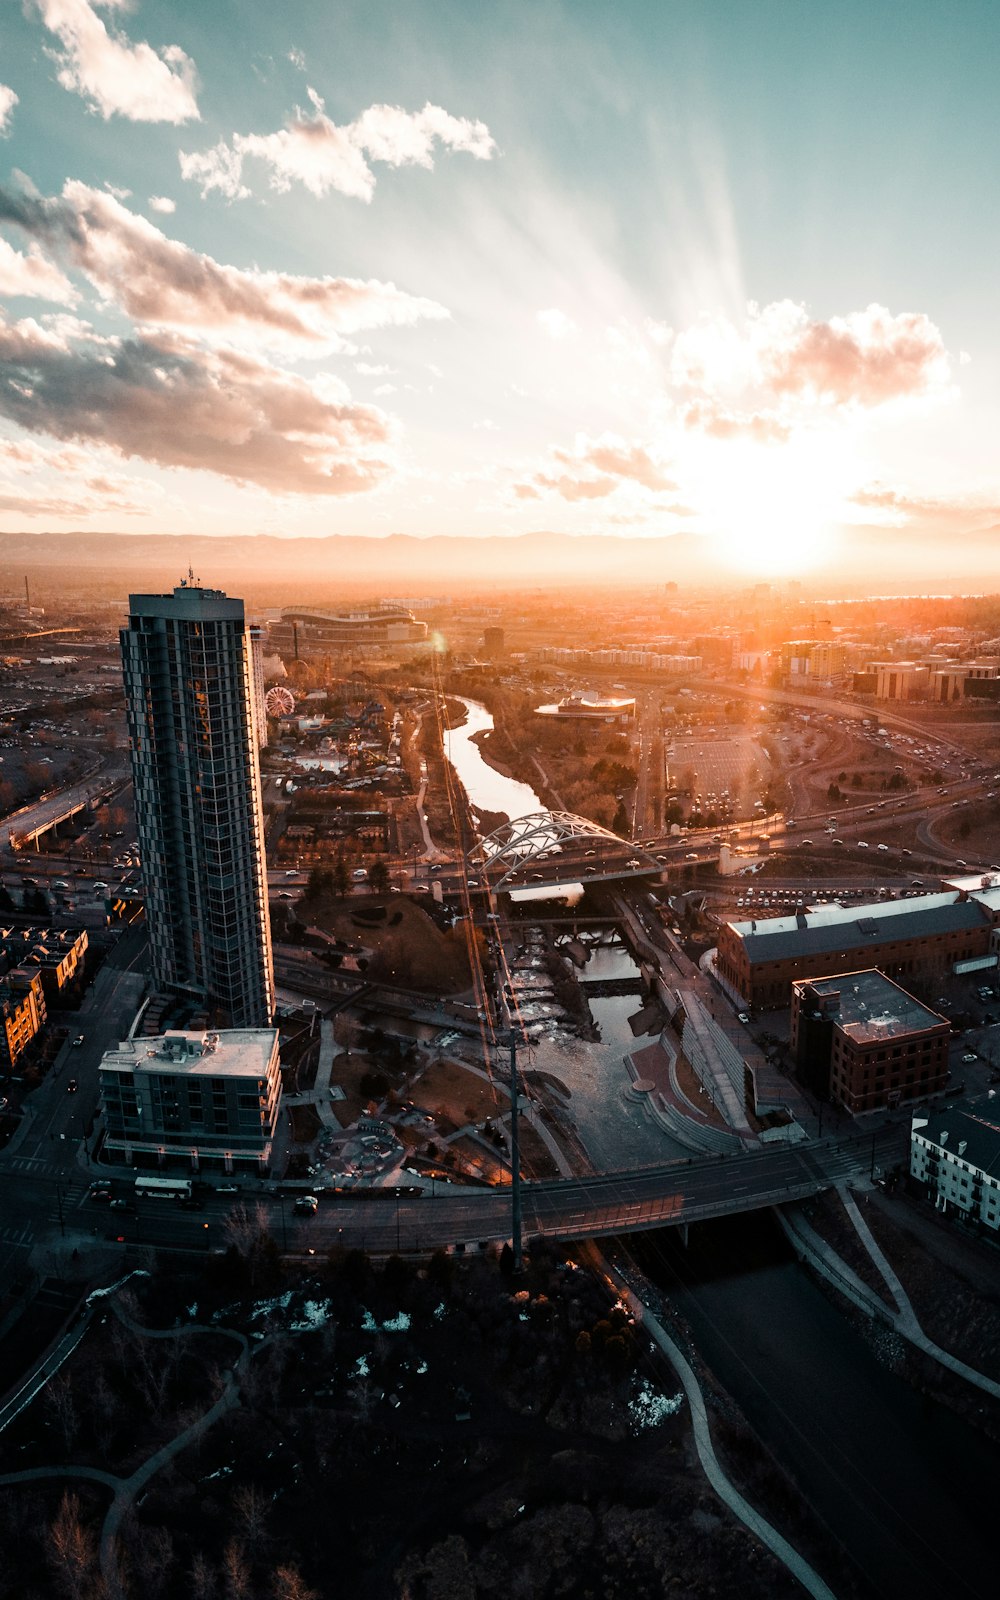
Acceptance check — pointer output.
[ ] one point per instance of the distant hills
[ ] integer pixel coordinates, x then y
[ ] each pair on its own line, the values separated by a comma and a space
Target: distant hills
868, 560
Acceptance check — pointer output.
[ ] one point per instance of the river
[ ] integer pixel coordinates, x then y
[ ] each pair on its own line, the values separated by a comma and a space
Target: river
487, 789
906, 1488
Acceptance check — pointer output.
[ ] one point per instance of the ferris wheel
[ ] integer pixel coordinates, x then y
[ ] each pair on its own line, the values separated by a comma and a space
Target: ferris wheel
279, 702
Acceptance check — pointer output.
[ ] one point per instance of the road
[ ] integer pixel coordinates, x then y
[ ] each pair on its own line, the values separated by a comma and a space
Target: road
42, 1180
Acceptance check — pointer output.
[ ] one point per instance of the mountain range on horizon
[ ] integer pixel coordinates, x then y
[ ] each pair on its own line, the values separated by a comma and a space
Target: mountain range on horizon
867, 558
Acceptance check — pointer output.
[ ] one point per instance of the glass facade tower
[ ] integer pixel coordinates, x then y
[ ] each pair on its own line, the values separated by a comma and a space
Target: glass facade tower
192, 728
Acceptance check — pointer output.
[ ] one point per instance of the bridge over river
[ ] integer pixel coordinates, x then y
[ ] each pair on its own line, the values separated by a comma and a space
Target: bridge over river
671, 1195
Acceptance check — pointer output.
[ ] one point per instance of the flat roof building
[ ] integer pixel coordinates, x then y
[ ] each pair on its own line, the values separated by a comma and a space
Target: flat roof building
862, 1042
955, 1156
757, 962
211, 1096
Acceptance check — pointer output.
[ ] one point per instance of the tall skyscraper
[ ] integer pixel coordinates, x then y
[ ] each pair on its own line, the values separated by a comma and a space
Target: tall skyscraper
256, 634
189, 693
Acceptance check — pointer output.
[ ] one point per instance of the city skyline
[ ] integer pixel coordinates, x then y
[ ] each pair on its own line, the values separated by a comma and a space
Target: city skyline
543, 271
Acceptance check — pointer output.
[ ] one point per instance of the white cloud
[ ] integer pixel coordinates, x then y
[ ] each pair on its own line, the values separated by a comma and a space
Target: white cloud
863, 359
220, 168
8, 100
117, 77
323, 156
33, 275
160, 281
163, 204
556, 323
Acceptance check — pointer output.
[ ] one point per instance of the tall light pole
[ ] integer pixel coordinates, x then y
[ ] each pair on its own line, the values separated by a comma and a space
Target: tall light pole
515, 1160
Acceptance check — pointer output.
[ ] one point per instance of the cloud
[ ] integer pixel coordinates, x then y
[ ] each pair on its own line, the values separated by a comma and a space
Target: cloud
166, 401
163, 204
322, 155
220, 168
160, 281
32, 275
711, 418
117, 77
556, 323
926, 513
594, 469
863, 360
8, 100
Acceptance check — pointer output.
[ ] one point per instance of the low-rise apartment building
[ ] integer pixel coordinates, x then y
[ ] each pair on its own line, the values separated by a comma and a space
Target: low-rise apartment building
955, 1156
22, 1014
202, 1096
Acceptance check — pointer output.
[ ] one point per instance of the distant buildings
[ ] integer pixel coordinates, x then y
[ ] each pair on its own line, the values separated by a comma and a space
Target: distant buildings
593, 708
955, 1156
57, 955
315, 631
862, 1042
932, 679
193, 734
757, 962
202, 1096
644, 660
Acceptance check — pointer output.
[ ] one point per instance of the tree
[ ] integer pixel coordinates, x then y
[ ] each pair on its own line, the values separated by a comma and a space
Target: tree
71, 1548
289, 1584
619, 822
378, 877
341, 877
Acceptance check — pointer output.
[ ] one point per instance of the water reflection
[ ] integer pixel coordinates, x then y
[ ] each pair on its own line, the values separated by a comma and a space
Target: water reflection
487, 790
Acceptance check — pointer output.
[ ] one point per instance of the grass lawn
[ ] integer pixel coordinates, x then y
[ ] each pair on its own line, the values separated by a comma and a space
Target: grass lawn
450, 1089
407, 948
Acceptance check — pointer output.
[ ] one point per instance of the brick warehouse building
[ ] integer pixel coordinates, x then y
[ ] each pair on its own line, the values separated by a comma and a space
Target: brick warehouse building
757, 962
862, 1042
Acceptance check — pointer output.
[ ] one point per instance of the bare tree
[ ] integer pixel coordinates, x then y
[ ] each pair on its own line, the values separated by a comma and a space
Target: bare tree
61, 1408
236, 1571
71, 1548
251, 1509
289, 1584
201, 1579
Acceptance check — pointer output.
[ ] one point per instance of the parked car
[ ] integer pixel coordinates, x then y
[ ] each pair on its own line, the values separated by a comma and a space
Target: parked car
306, 1205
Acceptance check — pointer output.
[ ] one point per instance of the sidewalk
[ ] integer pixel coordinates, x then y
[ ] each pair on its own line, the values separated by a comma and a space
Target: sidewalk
825, 1260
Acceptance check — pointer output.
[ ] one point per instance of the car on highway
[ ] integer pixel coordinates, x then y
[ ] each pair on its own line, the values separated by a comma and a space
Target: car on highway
862, 844
72, 1086
743, 1017
306, 1205
883, 847
78, 1041
970, 1057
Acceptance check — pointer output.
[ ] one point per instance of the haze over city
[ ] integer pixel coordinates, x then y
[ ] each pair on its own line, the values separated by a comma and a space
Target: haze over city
499, 800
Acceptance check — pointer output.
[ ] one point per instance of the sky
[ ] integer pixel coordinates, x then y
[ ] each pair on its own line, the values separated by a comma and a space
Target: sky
447, 268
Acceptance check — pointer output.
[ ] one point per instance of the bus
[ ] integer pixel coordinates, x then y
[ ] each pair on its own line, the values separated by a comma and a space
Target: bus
163, 1188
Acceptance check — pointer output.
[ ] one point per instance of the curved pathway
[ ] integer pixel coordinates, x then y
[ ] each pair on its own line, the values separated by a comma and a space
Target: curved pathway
825, 1260
125, 1489
730, 1496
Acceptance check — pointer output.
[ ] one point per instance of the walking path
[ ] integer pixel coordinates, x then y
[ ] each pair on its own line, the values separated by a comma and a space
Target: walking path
730, 1496
903, 1319
124, 1490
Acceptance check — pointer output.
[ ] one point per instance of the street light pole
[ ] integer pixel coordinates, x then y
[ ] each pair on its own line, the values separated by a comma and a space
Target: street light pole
515, 1160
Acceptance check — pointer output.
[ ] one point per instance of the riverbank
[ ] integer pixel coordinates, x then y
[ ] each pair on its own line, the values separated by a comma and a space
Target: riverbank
901, 1484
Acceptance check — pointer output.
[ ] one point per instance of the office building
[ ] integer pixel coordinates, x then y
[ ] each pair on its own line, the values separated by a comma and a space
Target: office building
211, 1097
925, 938
192, 729
861, 1041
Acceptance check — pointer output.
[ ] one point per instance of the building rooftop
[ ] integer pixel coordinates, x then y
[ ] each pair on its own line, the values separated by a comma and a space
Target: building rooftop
975, 1124
236, 1052
833, 928
872, 1007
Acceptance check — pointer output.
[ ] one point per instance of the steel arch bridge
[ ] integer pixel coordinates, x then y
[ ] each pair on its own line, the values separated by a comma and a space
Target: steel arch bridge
542, 834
